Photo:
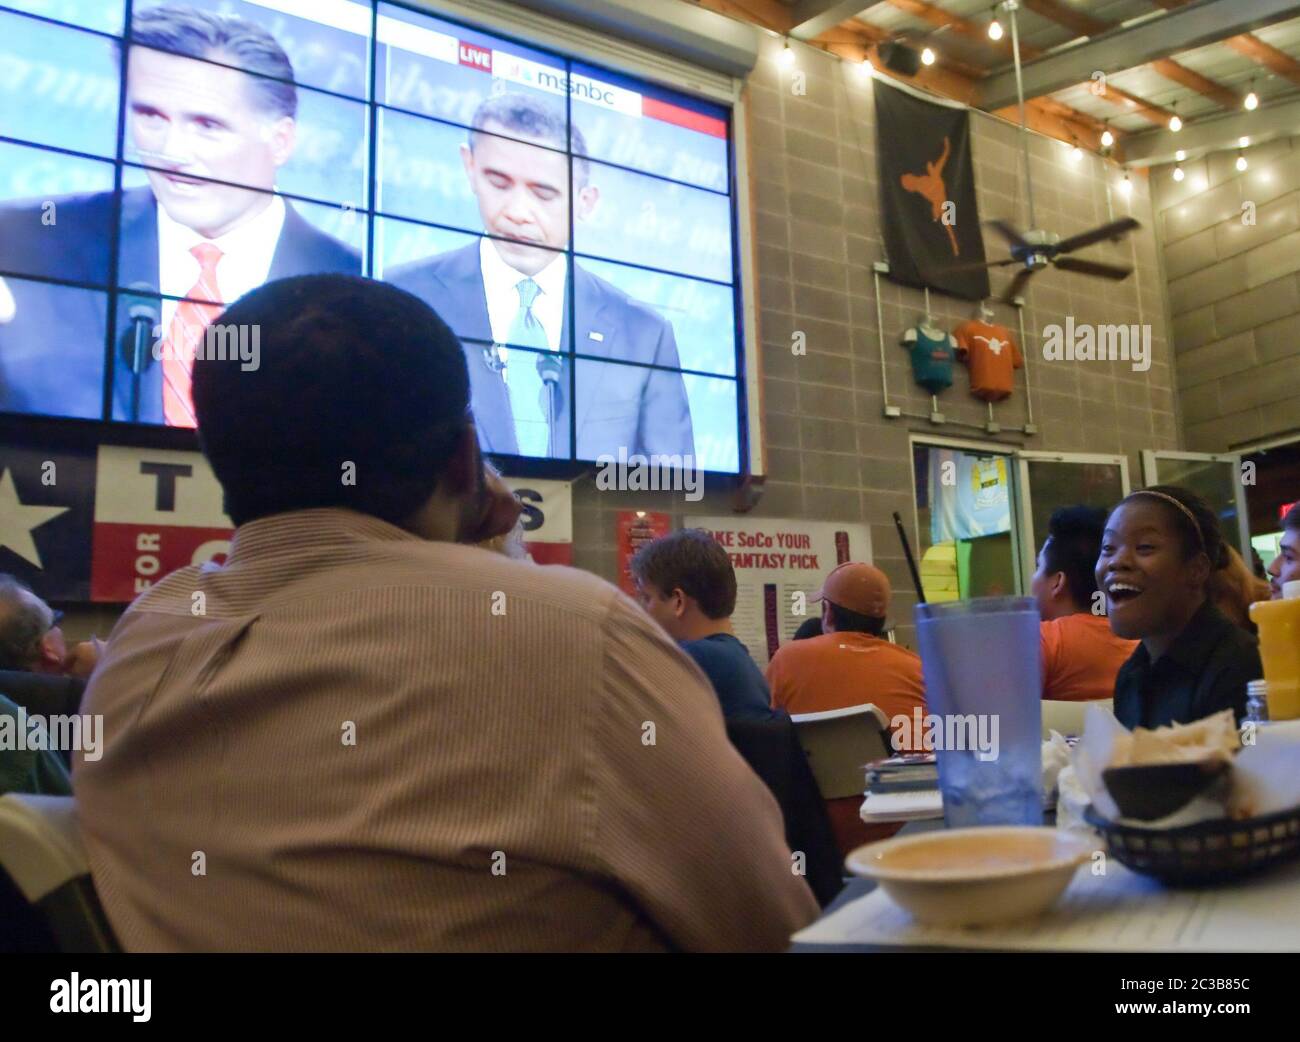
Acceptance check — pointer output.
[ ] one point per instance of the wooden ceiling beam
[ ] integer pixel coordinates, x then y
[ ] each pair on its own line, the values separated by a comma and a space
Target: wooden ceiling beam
856, 40
1193, 80
1082, 24
1266, 55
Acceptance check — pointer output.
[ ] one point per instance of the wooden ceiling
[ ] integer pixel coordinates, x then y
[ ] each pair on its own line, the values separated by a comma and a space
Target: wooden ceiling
1196, 58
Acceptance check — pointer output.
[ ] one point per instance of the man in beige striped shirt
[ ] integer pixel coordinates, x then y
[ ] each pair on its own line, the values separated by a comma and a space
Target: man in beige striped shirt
360, 733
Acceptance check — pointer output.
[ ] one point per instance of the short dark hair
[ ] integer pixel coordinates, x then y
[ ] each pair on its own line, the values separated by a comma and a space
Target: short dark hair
810, 627
524, 114
1073, 546
245, 45
24, 620
1291, 519
350, 371
691, 561
848, 621
1198, 532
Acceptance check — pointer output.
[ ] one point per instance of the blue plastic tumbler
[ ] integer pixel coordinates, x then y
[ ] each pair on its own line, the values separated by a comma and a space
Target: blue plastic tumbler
984, 708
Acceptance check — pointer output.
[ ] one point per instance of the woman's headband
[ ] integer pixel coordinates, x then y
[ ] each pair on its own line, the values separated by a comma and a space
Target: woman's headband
1196, 525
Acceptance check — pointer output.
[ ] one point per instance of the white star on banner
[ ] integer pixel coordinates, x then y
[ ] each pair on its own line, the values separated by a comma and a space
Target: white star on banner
17, 521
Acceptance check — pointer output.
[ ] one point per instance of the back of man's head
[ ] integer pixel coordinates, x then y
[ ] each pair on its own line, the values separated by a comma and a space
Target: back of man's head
691, 561
24, 621
845, 620
358, 397
1291, 519
1073, 547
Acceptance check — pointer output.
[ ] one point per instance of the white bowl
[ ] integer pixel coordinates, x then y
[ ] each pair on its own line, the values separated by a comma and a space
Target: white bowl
974, 876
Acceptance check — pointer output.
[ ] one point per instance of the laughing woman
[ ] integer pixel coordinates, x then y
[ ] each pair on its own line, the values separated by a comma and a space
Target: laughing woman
1158, 551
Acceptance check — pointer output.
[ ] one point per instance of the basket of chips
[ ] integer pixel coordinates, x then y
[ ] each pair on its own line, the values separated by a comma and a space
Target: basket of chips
1192, 804
1213, 851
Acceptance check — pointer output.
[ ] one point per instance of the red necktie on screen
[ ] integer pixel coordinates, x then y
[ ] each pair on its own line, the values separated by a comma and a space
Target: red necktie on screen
192, 318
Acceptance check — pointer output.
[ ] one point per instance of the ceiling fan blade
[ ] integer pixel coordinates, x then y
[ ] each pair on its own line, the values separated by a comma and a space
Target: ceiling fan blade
1017, 285
1087, 267
1007, 232
1107, 231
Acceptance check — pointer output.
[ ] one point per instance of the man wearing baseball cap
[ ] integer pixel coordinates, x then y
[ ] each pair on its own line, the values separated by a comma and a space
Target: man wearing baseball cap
848, 665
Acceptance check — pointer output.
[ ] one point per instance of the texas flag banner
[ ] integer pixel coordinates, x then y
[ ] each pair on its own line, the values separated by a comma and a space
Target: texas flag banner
156, 510
931, 223
47, 498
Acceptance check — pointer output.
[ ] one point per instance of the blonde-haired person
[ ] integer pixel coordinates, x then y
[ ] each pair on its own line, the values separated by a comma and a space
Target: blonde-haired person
1233, 588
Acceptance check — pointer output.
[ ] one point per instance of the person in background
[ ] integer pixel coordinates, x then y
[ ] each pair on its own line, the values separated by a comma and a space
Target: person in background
31, 639
383, 737
1233, 589
810, 627
686, 584
1285, 567
849, 665
1158, 551
1080, 654
32, 643
40, 772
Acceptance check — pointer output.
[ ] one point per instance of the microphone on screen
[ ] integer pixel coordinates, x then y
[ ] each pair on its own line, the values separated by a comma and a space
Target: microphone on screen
550, 368
138, 336
136, 343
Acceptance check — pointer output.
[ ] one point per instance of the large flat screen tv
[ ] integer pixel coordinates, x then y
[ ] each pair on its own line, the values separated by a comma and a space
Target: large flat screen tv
575, 226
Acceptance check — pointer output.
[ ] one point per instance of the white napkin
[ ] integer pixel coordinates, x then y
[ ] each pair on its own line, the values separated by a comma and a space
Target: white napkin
1056, 757
1093, 755
1265, 776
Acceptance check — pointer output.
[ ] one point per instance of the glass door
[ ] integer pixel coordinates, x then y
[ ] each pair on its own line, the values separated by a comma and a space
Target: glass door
1216, 478
1049, 480
967, 504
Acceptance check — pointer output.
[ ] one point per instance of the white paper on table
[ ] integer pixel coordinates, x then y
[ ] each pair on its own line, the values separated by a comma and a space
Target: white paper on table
1120, 911
901, 806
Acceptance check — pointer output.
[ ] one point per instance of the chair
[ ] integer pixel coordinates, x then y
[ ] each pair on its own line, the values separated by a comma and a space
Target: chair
48, 893
1066, 718
839, 743
773, 753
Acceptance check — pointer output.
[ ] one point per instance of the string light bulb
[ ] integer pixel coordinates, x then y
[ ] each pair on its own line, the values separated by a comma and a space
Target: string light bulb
995, 29
1252, 101
927, 56
1180, 155
1241, 163
1175, 124
1178, 173
787, 55
1107, 138
1126, 186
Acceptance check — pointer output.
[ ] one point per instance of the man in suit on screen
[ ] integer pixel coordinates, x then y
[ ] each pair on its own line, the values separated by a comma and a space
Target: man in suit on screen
508, 289
211, 109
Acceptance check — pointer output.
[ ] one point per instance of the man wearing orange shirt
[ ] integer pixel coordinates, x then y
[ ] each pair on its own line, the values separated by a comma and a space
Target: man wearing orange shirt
1081, 656
849, 665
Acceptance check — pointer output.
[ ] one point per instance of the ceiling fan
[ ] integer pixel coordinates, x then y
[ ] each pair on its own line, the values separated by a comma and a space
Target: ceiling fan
1038, 249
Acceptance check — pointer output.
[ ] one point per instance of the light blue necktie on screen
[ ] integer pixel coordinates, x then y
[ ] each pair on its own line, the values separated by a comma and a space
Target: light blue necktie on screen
523, 381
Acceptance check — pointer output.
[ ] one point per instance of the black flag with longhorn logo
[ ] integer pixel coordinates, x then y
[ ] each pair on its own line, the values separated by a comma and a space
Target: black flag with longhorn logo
927, 194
